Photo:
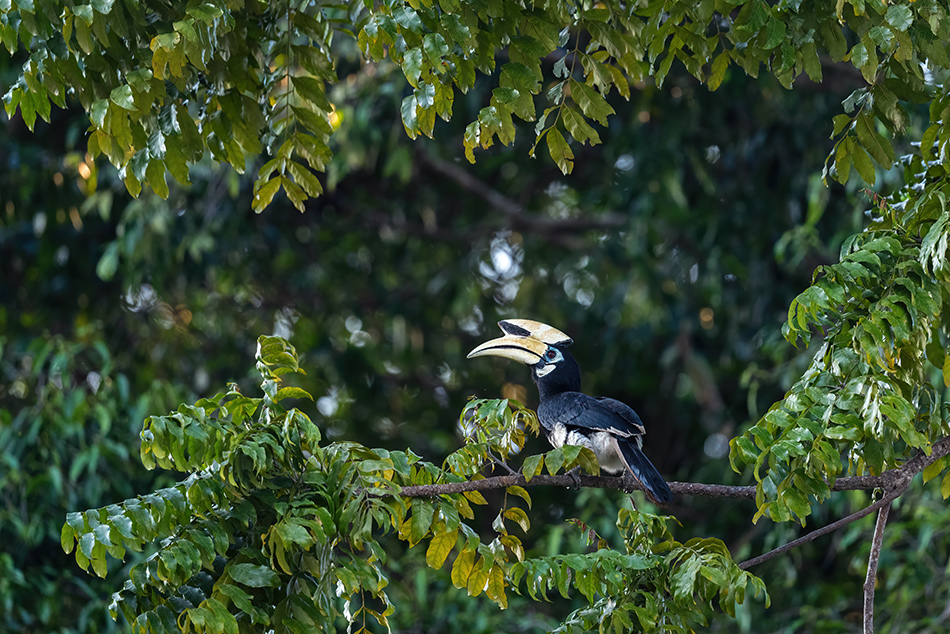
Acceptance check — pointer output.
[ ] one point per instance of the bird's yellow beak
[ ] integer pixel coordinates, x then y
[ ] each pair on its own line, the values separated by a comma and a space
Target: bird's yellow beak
525, 341
521, 349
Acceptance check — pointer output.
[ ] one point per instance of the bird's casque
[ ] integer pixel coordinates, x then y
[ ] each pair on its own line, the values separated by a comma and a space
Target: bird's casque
611, 429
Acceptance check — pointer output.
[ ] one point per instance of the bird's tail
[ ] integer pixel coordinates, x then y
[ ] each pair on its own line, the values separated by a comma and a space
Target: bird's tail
644, 472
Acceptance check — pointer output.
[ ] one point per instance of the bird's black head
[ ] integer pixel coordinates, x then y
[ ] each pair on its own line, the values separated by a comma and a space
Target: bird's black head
541, 347
556, 372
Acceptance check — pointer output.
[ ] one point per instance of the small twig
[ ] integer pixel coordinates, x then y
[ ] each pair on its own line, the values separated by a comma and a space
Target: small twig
873, 559
501, 464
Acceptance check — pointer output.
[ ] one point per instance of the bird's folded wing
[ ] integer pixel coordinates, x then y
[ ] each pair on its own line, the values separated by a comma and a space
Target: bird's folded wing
575, 409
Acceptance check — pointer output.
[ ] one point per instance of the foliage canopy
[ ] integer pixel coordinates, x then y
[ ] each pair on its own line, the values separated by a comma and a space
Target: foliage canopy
165, 85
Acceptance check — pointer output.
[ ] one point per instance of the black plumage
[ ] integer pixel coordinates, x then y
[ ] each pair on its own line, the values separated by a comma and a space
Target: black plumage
610, 428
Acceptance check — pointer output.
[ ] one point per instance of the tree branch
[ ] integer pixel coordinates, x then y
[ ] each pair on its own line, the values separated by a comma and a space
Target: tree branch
869, 582
568, 481
518, 219
824, 530
890, 480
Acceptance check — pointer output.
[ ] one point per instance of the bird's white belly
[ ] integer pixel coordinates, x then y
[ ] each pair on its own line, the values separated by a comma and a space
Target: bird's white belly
601, 443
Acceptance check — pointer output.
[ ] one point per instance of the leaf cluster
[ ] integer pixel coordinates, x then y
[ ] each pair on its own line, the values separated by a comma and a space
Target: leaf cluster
274, 530
656, 585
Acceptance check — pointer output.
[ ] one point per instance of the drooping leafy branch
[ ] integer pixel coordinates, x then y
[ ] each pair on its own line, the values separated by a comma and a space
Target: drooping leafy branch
165, 85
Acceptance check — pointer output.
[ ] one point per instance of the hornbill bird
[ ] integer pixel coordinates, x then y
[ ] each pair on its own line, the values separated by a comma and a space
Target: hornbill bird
609, 428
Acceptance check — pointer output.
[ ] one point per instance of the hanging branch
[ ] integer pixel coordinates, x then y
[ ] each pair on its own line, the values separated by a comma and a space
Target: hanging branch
869, 582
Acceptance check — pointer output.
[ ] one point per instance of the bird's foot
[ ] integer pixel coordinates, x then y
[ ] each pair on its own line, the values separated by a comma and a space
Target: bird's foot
630, 484
575, 476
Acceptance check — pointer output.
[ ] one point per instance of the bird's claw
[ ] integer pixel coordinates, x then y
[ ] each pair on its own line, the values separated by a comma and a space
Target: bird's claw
629, 482
575, 476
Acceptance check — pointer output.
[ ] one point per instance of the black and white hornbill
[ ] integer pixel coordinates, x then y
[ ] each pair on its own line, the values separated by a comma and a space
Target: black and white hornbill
609, 428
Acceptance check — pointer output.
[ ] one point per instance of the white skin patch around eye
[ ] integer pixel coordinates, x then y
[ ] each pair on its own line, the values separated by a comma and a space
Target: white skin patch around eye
540, 372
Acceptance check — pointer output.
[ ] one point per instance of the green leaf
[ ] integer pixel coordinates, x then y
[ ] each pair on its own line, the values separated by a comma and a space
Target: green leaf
422, 514
313, 91
532, 466
265, 193
878, 146
292, 392
560, 151
592, 103
462, 568
206, 12
412, 66
684, 578
578, 127
520, 492
554, 460
308, 181
407, 18
934, 469
496, 587
97, 113
863, 165
518, 515
409, 120
122, 97
435, 49
440, 547
476, 497
899, 16
774, 32
456, 29
797, 502
67, 538
843, 160
254, 576
718, 70
811, 62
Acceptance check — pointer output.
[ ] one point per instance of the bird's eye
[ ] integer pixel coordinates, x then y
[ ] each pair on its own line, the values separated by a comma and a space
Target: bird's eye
551, 354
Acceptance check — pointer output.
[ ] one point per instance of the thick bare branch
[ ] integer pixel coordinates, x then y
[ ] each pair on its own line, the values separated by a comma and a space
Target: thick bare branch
889, 480
569, 481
